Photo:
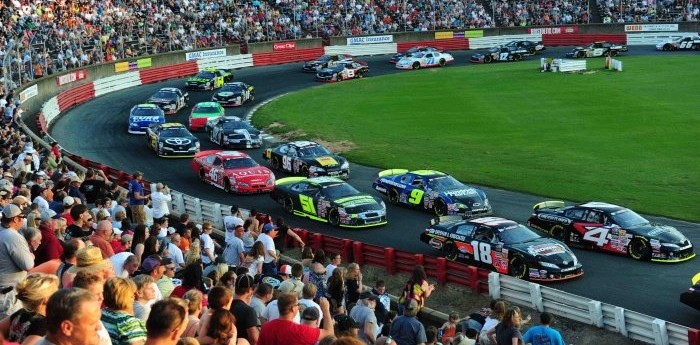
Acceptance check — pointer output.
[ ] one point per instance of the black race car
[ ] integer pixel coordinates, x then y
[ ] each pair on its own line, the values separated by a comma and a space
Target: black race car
417, 49
209, 79
328, 199
171, 140
531, 47
503, 246
325, 61
231, 131
692, 296
234, 94
307, 158
170, 99
343, 71
597, 49
500, 53
611, 228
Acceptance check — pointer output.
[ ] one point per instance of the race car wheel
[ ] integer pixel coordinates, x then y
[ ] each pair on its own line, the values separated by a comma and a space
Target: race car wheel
251, 97
416, 65
440, 208
210, 86
488, 58
558, 232
449, 250
517, 57
221, 139
304, 171
202, 175
613, 53
517, 267
666, 47
442, 62
339, 77
334, 217
579, 54
532, 50
227, 186
275, 162
393, 196
289, 205
639, 249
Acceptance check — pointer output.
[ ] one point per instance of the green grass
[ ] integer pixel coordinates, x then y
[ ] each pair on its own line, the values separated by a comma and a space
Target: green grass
629, 137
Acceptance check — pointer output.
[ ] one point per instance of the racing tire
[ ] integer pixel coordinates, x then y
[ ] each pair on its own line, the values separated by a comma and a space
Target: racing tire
416, 65
393, 196
517, 267
449, 250
304, 171
440, 208
613, 53
288, 205
532, 50
275, 163
580, 54
667, 47
442, 63
334, 217
227, 186
361, 75
251, 97
517, 57
221, 139
639, 249
202, 176
559, 233
488, 58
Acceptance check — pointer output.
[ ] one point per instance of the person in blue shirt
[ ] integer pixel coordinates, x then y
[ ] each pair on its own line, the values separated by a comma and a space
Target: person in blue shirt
543, 334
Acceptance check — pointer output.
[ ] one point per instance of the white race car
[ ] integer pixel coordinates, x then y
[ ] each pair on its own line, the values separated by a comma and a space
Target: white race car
681, 43
422, 60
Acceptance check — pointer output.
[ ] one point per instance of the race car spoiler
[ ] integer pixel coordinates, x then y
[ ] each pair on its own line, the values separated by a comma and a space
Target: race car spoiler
289, 180
391, 172
446, 219
549, 204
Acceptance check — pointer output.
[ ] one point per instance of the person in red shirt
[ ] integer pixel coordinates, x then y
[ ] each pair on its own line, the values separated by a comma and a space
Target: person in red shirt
285, 331
101, 238
50, 247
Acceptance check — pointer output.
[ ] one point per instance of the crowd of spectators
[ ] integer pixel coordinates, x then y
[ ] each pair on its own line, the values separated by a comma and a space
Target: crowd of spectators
646, 11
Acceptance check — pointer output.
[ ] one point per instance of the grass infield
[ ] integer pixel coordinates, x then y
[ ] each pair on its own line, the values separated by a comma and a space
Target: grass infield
631, 137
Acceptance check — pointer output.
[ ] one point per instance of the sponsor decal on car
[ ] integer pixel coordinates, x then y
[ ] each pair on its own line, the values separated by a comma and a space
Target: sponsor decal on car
546, 249
326, 161
554, 218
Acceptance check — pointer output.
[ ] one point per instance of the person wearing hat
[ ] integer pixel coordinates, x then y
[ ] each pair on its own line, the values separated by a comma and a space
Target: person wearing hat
363, 314
38, 180
24, 164
68, 203
15, 256
345, 326
50, 247
29, 155
88, 259
165, 283
310, 317
137, 199
41, 199
246, 317
154, 266
294, 283
269, 267
406, 329
74, 189
285, 331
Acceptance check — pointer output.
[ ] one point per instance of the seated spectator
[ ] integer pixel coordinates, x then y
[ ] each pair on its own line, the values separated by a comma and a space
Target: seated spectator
95, 284
145, 296
543, 334
193, 298
28, 324
166, 322
88, 259
72, 317
191, 279
165, 283
345, 326
118, 314
406, 329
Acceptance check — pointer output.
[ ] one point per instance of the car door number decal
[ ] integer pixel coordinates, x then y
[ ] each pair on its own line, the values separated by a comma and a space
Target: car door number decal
214, 175
287, 163
416, 196
307, 204
686, 45
350, 73
597, 235
504, 56
482, 252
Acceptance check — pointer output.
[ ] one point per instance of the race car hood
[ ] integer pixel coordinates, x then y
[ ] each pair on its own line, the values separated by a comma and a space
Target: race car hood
406, 59
228, 94
663, 233
144, 120
257, 174
178, 141
548, 250
468, 196
160, 100
359, 203
197, 80
328, 161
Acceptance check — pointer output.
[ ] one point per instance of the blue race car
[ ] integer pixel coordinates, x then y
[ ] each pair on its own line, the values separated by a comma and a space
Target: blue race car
142, 115
432, 191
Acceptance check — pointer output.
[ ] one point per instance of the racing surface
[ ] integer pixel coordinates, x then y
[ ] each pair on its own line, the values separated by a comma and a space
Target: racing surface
97, 130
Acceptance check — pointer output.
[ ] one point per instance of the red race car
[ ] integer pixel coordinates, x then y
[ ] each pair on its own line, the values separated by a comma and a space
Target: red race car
233, 171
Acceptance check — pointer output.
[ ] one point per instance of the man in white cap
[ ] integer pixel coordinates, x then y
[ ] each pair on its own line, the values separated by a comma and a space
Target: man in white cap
68, 203
15, 258
159, 202
29, 151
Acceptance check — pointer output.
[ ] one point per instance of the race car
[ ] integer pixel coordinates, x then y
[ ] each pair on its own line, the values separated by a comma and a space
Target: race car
231, 131
343, 71
531, 47
202, 112
209, 79
170, 99
692, 296
330, 200
234, 94
325, 61
611, 228
597, 49
433, 191
504, 246
417, 49
171, 140
142, 115
233, 171
422, 60
681, 43
500, 53
307, 158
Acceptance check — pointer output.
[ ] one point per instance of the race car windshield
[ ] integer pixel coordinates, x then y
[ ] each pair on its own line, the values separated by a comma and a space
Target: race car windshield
418, 55
444, 183
231, 125
165, 95
340, 190
311, 151
628, 219
517, 234
208, 110
205, 75
231, 88
239, 163
324, 58
145, 112
175, 133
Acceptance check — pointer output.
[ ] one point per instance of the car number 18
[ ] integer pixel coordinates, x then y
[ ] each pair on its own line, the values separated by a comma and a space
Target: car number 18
482, 252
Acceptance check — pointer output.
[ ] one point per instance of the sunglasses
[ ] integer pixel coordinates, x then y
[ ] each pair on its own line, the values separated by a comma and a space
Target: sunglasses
89, 220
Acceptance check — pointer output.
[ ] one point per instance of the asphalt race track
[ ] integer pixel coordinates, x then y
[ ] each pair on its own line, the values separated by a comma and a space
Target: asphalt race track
97, 130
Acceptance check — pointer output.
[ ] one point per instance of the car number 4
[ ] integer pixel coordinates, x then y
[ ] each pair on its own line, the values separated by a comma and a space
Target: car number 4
597, 235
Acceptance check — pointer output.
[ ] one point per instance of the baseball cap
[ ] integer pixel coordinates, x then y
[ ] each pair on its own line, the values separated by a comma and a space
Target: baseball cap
11, 211
47, 214
344, 322
75, 179
171, 230
151, 263
268, 227
310, 314
286, 269
8, 174
245, 281
68, 201
117, 231
369, 295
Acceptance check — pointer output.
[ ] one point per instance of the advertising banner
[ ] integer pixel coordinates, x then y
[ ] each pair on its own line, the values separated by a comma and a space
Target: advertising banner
553, 31
650, 27
474, 33
28, 93
71, 77
205, 54
370, 39
132, 65
284, 46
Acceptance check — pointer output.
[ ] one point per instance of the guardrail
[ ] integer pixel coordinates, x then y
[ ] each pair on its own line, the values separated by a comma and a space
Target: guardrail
631, 324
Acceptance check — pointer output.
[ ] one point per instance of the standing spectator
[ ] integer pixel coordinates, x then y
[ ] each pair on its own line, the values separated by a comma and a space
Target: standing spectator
543, 334
15, 256
182, 224
101, 238
222, 329
234, 252
431, 334
285, 331
137, 199
336, 260
254, 259
231, 222
317, 273
94, 186
406, 329
497, 313
269, 267
263, 294
282, 232
208, 246
72, 317
294, 283
167, 322
384, 303
246, 317
308, 294
118, 313
74, 190
50, 247
28, 324
353, 282
336, 290
449, 329
174, 252
507, 331
363, 314
417, 288
250, 235
159, 202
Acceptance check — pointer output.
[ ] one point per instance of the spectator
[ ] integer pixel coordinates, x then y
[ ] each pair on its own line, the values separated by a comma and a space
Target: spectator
263, 294
174, 253
208, 246
33, 237
82, 222
167, 322
543, 334
384, 303
310, 317
308, 294
145, 296
345, 326
219, 298
141, 234
282, 232
269, 267
285, 331
182, 224
507, 331
191, 279
431, 334
95, 185
154, 266
336, 260
336, 290
118, 314
28, 324
363, 314
72, 317
318, 275
137, 199
307, 257
95, 284
417, 288
250, 235
254, 259
231, 222
246, 317
159, 202
101, 238
406, 329
69, 257
234, 252
165, 283
74, 190
353, 283
449, 329
150, 247
50, 247
88, 259
125, 264
222, 329
497, 313
68, 203
15, 256
294, 283
193, 298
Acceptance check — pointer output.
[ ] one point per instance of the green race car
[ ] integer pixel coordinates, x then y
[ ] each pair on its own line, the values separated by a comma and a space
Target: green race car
329, 199
209, 79
202, 112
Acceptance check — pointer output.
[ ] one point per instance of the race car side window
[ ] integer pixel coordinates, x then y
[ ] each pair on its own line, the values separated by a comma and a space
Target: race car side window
210, 159
465, 229
406, 179
283, 149
484, 234
299, 187
594, 217
217, 162
292, 152
574, 213
418, 182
